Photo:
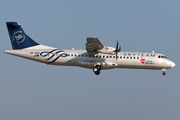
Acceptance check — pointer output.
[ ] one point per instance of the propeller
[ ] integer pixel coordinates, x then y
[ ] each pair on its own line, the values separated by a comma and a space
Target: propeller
117, 50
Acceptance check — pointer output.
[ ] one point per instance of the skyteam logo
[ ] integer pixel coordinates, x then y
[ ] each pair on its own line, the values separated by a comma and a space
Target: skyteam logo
53, 55
143, 61
18, 36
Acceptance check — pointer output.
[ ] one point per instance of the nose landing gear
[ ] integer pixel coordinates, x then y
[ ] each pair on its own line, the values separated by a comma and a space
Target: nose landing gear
163, 71
97, 69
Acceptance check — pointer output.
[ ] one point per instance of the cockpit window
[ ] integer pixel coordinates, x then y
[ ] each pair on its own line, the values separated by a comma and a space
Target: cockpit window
161, 56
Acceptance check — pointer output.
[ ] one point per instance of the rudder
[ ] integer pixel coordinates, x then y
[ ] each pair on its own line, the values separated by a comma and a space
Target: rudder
19, 39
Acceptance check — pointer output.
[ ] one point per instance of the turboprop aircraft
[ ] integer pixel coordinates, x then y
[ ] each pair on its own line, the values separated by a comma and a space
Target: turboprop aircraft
96, 56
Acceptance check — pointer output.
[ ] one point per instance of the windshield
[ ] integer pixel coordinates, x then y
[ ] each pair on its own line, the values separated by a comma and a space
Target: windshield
161, 56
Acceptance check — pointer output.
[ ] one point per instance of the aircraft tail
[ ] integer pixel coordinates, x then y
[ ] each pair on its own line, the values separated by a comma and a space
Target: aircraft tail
18, 37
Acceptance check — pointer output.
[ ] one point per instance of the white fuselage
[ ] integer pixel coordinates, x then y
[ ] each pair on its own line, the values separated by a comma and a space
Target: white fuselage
82, 58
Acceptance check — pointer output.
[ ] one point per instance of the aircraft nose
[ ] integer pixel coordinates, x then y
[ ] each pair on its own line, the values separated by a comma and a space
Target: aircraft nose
172, 64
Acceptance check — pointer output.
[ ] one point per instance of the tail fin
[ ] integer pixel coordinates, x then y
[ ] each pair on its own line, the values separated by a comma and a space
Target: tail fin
19, 39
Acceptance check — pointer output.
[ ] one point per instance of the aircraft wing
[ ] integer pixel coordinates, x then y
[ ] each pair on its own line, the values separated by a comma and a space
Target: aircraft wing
93, 44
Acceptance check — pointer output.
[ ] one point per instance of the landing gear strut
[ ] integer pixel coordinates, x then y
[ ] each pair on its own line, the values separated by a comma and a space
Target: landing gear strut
97, 69
163, 71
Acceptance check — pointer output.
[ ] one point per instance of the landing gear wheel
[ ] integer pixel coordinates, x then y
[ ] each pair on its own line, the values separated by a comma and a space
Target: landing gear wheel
97, 72
97, 69
164, 73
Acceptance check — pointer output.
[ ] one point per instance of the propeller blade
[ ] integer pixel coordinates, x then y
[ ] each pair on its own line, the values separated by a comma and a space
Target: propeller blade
117, 50
117, 46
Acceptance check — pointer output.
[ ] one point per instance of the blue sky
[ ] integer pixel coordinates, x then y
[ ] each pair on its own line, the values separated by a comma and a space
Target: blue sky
35, 91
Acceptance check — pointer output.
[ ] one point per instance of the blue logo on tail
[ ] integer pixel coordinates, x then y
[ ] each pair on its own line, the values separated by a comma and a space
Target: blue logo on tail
18, 36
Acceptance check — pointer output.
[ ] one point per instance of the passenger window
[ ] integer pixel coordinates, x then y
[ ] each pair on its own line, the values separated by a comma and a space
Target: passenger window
106, 56
137, 57
71, 55
103, 56
89, 55
82, 55
127, 57
121, 57
124, 57
130, 57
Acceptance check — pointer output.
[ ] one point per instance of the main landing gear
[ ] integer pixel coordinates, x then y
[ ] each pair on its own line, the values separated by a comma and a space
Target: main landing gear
163, 71
97, 69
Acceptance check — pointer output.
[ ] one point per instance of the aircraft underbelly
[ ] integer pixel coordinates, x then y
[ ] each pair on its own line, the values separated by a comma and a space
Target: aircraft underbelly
140, 66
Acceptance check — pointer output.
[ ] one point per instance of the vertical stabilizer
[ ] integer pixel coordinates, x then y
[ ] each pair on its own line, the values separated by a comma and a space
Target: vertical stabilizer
18, 37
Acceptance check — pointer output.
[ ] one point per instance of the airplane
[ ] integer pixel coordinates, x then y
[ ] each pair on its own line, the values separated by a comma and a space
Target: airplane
96, 56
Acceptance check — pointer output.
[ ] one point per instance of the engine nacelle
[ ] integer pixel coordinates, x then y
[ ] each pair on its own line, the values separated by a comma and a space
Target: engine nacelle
109, 65
107, 50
